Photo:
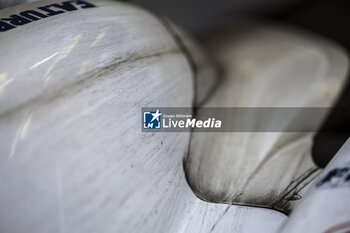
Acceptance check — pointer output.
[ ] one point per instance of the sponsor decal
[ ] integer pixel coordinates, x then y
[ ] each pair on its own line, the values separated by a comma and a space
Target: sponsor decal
339, 228
337, 177
28, 16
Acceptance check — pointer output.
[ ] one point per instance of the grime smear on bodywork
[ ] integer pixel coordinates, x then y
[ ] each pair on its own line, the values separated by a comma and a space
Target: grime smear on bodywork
284, 201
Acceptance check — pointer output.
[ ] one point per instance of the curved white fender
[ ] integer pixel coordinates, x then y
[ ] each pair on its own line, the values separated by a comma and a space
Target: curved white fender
73, 79
264, 66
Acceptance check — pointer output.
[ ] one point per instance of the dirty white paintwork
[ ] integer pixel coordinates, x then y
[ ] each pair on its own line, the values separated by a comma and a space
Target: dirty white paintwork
264, 66
8, 3
221, 218
72, 154
326, 207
